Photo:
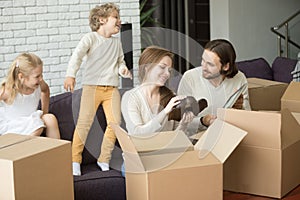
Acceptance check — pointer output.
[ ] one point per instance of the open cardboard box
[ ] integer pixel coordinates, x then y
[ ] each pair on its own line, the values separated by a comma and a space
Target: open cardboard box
173, 172
35, 168
267, 161
262, 92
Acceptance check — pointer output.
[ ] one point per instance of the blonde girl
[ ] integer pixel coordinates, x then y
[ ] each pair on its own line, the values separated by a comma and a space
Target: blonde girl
20, 93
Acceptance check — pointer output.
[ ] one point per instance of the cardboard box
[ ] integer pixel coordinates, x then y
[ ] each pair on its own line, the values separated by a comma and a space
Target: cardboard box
265, 94
35, 168
179, 174
267, 161
291, 97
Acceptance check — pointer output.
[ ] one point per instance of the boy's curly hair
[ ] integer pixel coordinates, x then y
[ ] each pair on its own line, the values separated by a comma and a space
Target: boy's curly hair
102, 11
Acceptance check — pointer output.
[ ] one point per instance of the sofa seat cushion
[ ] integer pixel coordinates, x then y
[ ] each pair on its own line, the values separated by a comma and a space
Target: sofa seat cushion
282, 68
256, 68
94, 184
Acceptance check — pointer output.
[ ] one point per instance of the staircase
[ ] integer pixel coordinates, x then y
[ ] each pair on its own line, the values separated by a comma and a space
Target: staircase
284, 34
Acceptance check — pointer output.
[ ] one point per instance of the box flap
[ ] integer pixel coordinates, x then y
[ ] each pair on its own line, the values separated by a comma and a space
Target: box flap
12, 138
297, 116
188, 159
262, 92
292, 92
291, 97
290, 128
263, 127
221, 139
258, 82
161, 149
28, 146
167, 141
132, 159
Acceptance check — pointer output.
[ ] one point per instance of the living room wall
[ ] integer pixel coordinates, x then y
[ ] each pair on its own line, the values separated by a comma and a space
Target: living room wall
52, 29
247, 25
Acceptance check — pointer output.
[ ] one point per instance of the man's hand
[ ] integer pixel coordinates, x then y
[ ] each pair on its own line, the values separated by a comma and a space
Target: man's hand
207, 120
239, 103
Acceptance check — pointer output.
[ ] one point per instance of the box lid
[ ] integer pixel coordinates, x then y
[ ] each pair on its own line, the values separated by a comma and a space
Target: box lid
290, 128
263, 127
177, 160
296, 116
12, 138
221, 139
167, 141
131, 156
258, 82
262, 92
274, 130
156, 154
291, 97
24, 146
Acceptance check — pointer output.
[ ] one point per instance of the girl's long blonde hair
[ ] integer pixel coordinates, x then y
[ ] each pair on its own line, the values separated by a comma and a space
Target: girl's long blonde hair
24, 64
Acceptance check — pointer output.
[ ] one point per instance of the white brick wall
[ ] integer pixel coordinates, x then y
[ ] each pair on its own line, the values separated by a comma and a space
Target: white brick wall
52, 29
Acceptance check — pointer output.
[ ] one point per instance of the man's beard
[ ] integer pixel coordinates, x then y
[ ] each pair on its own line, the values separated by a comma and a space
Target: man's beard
210, 75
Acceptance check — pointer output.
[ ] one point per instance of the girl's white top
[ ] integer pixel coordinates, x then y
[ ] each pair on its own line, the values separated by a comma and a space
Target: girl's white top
22, 116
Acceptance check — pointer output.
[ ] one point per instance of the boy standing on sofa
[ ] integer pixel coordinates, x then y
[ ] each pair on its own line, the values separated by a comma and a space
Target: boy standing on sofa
104, 63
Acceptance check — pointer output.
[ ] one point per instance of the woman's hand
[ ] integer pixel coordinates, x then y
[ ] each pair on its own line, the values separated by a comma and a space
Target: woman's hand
187, 118
172, 103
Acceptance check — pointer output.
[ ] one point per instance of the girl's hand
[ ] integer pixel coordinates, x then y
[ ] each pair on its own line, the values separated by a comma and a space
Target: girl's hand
172, 103
69, 84
125, 73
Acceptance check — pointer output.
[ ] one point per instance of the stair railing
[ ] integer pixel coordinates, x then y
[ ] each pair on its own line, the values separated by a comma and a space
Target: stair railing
285, 36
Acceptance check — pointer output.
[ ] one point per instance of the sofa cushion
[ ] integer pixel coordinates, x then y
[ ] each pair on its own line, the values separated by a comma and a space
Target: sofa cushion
61, 105
95, 185
282, 68
256, 68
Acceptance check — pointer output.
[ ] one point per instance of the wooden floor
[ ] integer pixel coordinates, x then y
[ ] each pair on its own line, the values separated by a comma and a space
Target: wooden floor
293, 195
